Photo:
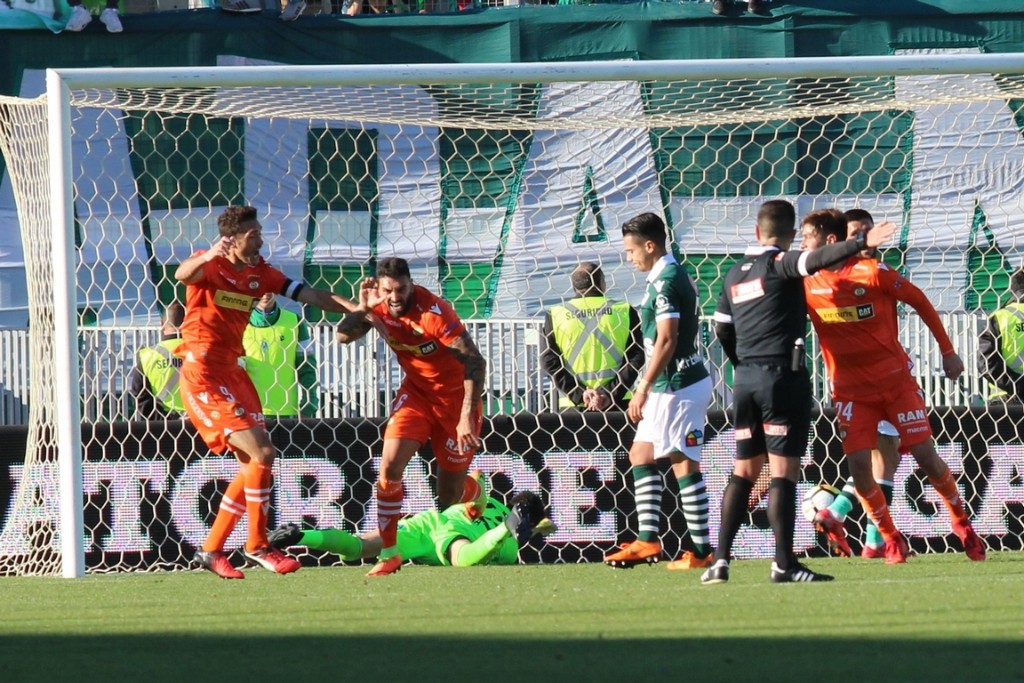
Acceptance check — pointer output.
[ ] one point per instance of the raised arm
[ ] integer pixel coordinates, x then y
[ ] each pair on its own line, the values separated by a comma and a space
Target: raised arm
325, 300
358, 322
190, 270
798, 264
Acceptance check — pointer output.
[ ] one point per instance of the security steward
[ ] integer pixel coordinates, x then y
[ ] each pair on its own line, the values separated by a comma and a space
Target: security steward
153, 382
1001, 348
281, 339
593, 346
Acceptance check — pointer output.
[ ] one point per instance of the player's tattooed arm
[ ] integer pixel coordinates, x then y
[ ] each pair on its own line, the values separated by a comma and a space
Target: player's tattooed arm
352, 327
465, 350
356, 324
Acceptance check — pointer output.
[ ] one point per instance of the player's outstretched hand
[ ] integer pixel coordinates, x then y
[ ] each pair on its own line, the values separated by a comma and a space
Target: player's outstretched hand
369, 295
953, 365
880, 234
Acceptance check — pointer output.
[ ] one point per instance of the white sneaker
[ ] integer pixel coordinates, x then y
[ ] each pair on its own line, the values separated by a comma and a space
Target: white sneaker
293, 10
111, 20
80, 18
242, 6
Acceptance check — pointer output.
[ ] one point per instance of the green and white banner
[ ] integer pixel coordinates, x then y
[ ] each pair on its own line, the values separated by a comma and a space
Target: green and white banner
496, 219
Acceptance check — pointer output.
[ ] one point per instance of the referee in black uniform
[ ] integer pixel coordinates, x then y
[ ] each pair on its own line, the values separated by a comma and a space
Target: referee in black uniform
761, 321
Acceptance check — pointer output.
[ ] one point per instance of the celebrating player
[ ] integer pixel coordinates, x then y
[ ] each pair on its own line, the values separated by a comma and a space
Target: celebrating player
439, 399
885, 457
853, 308
223, 284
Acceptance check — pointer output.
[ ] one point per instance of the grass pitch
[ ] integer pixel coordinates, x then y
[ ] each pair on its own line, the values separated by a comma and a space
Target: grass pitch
937, 618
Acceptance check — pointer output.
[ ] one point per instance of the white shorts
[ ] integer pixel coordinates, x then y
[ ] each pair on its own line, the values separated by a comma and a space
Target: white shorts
886, 428
675, 422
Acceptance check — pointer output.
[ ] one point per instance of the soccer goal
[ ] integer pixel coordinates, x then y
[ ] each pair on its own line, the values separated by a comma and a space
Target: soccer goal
494, 181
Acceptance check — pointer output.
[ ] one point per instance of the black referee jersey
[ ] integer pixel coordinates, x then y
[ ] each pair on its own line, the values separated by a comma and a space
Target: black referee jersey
761, 310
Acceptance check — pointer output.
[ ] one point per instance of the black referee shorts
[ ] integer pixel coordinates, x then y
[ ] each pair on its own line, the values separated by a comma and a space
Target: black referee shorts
771, 410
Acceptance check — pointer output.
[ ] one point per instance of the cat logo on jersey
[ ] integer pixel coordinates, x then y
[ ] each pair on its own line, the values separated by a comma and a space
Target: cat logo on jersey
415, 349
846, 314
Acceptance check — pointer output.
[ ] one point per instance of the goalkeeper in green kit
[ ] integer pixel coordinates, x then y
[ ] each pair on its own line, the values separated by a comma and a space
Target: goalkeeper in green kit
463, 535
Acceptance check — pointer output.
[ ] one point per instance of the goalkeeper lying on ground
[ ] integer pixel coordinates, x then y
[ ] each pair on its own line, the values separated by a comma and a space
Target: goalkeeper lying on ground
459, 536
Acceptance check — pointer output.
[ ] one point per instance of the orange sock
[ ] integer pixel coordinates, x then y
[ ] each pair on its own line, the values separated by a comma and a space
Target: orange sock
470, 490
257, 503
877, 509
231, 510
390, 495
946, 486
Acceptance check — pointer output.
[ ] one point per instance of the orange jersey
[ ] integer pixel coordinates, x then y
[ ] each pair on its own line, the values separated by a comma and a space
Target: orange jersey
854, 313
217, 308
420, 339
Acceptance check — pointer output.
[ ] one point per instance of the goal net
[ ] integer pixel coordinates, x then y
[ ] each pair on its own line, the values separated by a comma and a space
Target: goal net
494, 181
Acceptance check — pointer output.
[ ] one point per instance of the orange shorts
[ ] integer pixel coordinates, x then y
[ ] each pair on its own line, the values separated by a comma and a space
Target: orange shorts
219, 401
421, 418
902, 405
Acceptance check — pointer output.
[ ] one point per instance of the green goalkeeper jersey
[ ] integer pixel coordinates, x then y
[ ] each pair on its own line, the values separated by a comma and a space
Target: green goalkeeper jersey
425, 537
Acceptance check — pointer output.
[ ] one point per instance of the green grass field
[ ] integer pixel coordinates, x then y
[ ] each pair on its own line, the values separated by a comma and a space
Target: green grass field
937, 618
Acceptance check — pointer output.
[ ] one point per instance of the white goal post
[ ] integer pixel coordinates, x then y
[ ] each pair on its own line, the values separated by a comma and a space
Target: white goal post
494, 180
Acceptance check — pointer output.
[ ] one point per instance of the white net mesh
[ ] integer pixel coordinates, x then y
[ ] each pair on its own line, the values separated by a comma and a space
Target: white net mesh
494, 192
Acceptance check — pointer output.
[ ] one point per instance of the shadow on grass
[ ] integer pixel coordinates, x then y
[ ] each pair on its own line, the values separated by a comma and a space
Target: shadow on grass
155, 659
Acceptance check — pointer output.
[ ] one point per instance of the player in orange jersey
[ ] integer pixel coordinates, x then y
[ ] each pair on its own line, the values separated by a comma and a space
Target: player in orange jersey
438, 401
853, 308
222, 285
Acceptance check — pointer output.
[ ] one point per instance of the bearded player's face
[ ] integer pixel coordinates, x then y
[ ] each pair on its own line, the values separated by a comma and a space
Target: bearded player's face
397, 291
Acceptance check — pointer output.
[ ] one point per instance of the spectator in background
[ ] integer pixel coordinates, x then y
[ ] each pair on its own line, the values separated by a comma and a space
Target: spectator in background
1001, 347
153, 382
291, 11
722, 6
281, 339
593, 349
81, 17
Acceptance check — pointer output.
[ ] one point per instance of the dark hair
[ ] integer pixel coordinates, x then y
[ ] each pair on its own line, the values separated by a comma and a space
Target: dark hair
646, 227
533, 503
859, 215
230, 222
588, 279
1017, 284
776, 219
827, 222
174, 314
394, 267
